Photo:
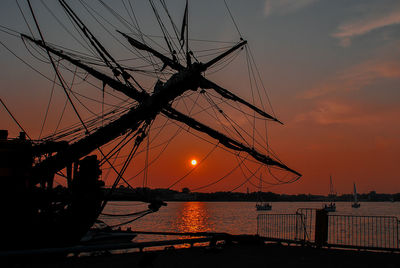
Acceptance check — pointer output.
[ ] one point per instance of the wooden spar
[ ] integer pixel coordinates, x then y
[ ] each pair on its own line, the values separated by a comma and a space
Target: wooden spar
204, 83
167, 61
223, 55
129, 91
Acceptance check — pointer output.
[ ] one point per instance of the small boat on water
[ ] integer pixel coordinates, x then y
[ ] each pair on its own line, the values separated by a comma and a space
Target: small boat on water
101, 233
355, 202
261, 205
332, 206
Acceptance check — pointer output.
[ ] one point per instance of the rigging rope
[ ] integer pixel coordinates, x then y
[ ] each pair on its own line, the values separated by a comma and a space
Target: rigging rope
126, 222
199, 163
146, 164
233, 20
222, 178
140, 135
54, 67
87, 47
252, 95
15, 120
92, 125
23, 16
246, 179
48, 104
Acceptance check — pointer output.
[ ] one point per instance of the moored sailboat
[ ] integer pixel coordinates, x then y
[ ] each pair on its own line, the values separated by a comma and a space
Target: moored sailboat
262, 205
331, 207
355, 203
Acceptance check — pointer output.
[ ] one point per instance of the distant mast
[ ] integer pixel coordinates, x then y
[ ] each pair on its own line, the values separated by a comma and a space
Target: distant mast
355, 193
332, 193
355, 202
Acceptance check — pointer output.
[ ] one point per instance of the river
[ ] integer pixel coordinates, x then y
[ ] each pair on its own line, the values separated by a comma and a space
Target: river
229, 217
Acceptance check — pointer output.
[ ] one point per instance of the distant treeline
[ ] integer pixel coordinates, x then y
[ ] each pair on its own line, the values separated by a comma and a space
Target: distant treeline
128, 194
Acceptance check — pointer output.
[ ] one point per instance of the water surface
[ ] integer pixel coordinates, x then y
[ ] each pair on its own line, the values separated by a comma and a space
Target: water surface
229, 217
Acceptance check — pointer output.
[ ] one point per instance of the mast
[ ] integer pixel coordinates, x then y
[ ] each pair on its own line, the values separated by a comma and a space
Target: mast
188, 60
331, 190
332, 193
355, 193
260, 190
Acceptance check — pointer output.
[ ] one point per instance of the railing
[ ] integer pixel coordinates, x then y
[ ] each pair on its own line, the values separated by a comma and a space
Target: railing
286, 227
101, 247
319, 228
308, 222
369, 232
200, 238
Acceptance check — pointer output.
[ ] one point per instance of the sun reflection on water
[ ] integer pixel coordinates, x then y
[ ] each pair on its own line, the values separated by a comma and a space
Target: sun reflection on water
193, 217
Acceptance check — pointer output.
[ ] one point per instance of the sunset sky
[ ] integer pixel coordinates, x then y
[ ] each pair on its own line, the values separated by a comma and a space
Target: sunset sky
331, 69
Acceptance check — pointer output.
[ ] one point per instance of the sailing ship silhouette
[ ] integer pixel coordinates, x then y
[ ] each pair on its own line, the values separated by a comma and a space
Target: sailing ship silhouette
62, 215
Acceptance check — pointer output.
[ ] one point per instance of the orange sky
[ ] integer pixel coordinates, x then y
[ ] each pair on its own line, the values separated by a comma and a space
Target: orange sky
331, 69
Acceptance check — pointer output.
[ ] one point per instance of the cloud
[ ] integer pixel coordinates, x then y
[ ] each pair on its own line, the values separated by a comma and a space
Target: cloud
285, 6
331, 112
355, 28
355, 78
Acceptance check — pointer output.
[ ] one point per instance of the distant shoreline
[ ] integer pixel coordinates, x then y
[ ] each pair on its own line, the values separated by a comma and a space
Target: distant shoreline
138, 194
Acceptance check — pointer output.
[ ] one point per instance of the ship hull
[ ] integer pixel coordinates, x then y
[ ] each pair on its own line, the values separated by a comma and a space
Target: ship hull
36, 215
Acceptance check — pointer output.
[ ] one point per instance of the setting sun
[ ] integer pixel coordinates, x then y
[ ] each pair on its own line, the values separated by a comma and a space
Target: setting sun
193, 162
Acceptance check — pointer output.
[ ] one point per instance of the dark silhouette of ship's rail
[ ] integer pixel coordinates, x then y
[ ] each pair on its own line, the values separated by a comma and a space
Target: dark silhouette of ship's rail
210, 238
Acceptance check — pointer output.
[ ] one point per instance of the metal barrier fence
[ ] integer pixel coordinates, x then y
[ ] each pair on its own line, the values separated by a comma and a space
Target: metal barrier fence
308, 222
286, 227
322, 229
369, 232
